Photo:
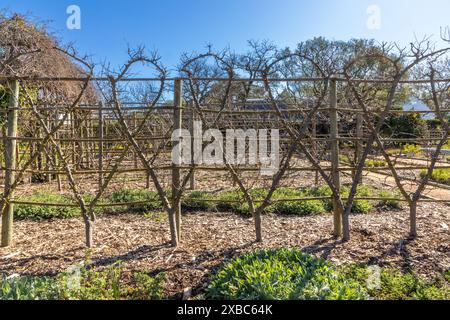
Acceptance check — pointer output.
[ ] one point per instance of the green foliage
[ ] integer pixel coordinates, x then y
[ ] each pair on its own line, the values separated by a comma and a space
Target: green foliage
395, 285
360, 206
438, 175
41, 212
85, 283
376, 163
281, 274
411, 149
233, 201
28, 288
150, 200
389, 201
147, 287
394, 151
301, 208
227, 198
198, 201
405, 125
91, 284
227, 202
307, 207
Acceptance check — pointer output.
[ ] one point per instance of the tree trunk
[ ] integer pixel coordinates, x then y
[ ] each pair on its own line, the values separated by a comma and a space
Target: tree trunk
258, 227
346, 225
413, 219
173, 228
89, 231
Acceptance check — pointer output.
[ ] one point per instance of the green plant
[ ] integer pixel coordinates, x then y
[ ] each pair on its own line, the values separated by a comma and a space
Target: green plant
197, 201
149, 200
281, 274
147, 287
235, 201
411, 149
84, 283
401, 125
41, 212
301, 208
396, 285
28, 288
360, 206
438, 175
389, 200
376, 163
90, 284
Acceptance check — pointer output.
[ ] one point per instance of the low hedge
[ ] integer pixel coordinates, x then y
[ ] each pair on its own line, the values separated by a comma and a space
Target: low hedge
232, 201
42, 212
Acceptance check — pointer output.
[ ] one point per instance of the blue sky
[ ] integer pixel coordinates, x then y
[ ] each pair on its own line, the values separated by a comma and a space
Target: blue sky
174, 26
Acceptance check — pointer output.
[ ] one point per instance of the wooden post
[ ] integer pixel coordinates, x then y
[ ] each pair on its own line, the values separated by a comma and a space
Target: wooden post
100, 145
314, 145
334, 132
48, 152
191, 129
135, 124
177, 121
359, 136
10, 162
72, 136
55, 155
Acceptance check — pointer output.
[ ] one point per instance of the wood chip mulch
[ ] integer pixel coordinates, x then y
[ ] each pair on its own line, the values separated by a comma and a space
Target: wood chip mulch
142, 243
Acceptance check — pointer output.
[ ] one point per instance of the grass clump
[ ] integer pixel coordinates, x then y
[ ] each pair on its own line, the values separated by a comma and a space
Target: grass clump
280, 275
42, 212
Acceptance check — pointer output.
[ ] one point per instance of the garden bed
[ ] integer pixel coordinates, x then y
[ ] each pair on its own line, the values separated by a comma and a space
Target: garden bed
142, 243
